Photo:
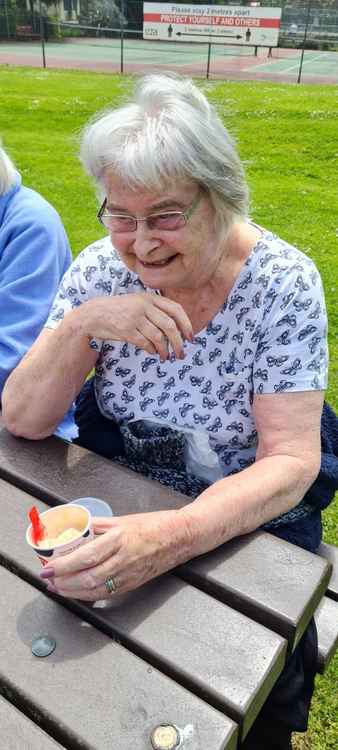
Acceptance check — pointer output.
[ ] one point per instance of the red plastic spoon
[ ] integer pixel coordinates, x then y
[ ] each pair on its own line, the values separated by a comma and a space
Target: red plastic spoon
38, 529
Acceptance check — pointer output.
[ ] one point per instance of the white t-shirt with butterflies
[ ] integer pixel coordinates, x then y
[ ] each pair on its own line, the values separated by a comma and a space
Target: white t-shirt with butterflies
268, 337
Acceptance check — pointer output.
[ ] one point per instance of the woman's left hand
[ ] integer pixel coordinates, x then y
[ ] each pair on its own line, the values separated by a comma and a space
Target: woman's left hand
130, 549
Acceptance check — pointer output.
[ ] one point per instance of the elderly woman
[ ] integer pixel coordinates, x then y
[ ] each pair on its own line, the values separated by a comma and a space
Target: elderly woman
207, 335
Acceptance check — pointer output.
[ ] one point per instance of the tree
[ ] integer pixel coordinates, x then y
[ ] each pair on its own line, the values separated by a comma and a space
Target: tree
103, 12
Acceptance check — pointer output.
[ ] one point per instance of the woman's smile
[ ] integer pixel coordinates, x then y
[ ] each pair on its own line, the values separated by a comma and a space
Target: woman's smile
157, 263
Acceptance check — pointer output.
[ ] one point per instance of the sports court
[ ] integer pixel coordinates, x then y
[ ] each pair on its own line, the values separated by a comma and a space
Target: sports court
138, 56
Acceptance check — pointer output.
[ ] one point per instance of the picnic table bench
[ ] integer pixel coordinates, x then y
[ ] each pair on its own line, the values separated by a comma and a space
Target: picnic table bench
196, 651
25, 31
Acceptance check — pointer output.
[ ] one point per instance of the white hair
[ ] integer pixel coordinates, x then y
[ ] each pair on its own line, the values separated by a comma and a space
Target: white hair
168, 132
7, 172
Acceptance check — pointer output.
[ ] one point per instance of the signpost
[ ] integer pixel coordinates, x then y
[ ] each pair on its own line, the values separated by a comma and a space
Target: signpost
219, 24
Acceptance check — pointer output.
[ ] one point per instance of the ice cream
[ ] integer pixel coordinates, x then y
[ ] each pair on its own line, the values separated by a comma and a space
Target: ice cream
66, 536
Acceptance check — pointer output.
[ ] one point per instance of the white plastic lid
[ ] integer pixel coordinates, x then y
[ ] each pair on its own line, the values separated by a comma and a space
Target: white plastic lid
95, 506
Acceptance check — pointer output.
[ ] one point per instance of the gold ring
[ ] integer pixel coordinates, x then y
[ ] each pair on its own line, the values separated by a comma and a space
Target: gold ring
111, 585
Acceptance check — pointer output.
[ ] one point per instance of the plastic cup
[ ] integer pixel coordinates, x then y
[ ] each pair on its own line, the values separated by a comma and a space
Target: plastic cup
95, 506
56, 521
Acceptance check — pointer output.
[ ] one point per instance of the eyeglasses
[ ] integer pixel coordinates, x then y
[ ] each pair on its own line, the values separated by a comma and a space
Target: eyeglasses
167, 221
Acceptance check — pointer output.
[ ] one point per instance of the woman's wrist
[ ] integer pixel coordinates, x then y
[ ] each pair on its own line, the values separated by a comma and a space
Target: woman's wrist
80, 322
182, 539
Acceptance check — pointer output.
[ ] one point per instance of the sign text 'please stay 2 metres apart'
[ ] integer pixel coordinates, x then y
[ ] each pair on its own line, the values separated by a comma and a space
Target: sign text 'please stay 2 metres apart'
231, 24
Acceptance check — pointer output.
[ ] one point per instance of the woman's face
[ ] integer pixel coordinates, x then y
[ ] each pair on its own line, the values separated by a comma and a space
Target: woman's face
166, 259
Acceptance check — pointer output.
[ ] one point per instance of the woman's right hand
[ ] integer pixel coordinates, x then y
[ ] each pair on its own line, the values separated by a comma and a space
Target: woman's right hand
147, 320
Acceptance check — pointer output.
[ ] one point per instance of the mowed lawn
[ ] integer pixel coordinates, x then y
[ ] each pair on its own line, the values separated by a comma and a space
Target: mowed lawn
288, 138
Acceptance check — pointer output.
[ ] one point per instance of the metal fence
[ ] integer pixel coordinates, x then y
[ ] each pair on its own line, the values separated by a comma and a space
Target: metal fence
318, 17
304, 26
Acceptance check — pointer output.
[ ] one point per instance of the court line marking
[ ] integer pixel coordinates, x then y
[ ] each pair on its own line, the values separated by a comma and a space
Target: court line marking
305, 62
277, 62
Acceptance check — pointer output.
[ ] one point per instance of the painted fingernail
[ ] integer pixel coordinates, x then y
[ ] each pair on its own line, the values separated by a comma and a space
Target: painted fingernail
47, 573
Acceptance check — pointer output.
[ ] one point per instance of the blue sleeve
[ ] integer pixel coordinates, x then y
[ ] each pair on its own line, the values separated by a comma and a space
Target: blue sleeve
34, 254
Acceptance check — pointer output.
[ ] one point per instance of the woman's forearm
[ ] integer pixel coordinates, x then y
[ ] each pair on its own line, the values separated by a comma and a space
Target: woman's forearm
241, 503
40, 390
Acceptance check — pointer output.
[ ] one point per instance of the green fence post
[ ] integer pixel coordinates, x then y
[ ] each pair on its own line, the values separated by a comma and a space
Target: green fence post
7, 21
42, 37
122, 33
304, 41
208, 63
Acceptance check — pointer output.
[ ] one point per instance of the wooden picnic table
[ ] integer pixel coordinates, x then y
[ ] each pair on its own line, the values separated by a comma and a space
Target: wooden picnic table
197, 651
26, 32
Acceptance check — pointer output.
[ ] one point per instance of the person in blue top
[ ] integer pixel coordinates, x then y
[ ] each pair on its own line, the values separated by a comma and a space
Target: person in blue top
34, 255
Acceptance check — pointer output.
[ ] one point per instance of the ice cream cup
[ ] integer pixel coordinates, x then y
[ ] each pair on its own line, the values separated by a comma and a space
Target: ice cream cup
56, 521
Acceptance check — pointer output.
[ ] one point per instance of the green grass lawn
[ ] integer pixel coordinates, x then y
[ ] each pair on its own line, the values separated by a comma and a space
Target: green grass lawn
287, 136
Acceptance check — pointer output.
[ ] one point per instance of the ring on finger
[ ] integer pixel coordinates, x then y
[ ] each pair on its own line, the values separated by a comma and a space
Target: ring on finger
111, 584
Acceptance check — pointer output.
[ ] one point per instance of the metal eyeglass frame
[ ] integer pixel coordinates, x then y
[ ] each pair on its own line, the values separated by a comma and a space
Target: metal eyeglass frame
185, 214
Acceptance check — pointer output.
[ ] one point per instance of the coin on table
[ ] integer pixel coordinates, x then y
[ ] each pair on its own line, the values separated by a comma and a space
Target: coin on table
43, 645
165, 737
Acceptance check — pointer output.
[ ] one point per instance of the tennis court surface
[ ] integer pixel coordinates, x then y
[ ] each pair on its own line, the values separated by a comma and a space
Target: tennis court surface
139, 56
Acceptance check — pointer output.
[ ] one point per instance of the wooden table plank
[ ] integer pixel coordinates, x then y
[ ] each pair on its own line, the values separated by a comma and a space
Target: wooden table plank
57, 471
247, 573
91, 693
204, 645
330, 552
275, 583
19, 732
326, 619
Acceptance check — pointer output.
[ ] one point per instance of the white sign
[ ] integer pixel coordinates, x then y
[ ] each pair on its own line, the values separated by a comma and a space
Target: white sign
219, 24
